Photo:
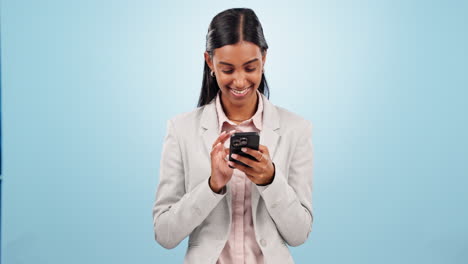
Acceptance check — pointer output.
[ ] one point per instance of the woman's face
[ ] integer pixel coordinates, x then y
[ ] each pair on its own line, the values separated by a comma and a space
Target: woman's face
238, 71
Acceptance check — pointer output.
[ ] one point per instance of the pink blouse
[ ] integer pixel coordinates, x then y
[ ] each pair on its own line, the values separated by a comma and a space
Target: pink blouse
241, 246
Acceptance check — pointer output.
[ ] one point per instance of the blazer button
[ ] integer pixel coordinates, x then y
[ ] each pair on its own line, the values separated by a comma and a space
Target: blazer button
263, 242
274, 205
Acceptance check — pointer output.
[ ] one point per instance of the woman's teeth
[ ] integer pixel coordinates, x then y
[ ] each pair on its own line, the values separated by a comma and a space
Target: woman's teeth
240, 91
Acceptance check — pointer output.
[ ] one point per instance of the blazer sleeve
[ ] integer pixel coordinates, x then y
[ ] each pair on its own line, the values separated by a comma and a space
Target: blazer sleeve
176, 213
289, 201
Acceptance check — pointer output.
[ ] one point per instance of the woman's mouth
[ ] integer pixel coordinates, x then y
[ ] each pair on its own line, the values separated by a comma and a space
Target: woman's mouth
240, 93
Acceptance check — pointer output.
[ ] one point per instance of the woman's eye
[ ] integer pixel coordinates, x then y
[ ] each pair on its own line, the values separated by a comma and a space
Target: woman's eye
248, 70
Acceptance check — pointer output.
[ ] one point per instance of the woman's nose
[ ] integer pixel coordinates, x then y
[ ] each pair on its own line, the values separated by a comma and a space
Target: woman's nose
240, 81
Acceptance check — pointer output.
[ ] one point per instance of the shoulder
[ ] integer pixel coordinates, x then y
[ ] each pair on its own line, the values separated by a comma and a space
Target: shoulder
288, 121
187, 120
289, 118
187, 116
277, 116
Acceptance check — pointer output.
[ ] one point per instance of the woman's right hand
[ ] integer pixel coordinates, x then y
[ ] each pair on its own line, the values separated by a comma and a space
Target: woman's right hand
221, 173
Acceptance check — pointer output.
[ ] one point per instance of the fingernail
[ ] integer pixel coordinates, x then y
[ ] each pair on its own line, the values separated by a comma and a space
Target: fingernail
244, 149
222, 133
232, 131
234, 156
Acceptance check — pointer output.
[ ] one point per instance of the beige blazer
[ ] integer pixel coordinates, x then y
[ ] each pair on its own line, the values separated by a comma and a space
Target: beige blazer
186, 206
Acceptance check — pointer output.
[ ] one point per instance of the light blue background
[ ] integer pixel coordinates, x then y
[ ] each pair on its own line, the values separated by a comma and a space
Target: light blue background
88, 86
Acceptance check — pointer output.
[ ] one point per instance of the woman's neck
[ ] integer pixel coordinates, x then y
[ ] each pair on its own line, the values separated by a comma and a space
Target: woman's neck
239, 113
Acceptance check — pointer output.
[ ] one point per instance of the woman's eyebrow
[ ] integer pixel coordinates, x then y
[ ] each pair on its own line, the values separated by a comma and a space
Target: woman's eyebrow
225, 63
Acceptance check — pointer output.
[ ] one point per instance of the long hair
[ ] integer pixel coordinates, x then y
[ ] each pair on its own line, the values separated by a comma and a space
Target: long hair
225, 29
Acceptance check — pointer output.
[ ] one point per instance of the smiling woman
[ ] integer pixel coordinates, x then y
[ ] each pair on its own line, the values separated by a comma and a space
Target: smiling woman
235, 45
233, 212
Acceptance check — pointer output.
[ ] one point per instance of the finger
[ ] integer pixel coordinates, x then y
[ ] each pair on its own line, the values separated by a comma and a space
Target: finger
218, 139
223, 137
214, 150
245, 160
226, 153
252, 152
264, 149
248, 171
220, 149
222, 156
228, 135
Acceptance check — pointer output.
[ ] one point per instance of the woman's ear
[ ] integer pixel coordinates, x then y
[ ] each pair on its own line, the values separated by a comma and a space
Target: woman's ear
264, 58
208, 60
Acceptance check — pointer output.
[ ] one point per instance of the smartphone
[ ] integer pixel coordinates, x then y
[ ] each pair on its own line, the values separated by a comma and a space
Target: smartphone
243, 140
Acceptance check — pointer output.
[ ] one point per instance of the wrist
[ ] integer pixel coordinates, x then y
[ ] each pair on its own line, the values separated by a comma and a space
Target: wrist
272, 177
214, 187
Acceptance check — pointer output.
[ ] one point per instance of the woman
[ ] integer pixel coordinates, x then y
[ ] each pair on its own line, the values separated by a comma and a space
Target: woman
239, 214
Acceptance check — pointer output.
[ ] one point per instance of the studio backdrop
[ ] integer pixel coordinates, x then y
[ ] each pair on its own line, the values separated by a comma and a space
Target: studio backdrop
88, 86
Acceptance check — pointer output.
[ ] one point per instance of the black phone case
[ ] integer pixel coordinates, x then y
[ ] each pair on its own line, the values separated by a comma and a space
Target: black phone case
240, 140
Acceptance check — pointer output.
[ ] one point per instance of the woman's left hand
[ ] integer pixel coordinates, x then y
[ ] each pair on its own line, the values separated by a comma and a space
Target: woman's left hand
262, 170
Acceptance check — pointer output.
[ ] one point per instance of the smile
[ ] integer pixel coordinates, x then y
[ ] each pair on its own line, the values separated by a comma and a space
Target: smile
240, 92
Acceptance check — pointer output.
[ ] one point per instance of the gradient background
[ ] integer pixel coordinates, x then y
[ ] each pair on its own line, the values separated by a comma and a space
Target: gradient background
88, 86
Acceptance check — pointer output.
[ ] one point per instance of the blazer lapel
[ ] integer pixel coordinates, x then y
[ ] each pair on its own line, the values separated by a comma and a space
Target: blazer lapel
209, 125
269, 137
